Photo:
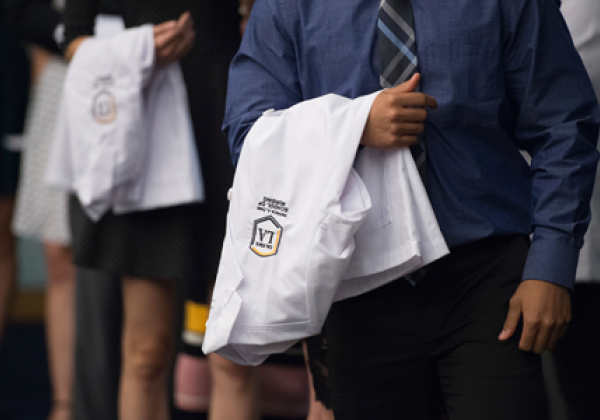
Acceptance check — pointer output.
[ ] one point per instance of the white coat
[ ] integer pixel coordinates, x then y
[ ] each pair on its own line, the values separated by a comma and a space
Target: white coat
583, 19
124, 139
305, 229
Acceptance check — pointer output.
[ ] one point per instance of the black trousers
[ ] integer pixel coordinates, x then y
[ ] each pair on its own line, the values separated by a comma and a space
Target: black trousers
403, 352
577, 355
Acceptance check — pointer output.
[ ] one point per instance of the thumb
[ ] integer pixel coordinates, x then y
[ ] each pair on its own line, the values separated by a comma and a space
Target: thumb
184, 18
511, 322
409, 85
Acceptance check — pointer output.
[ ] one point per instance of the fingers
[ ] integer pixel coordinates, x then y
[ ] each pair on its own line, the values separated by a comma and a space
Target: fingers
174, 26
528, 336
409, 128
543, 337
408, 115
397, 116
556, 335
536, 334
559, 332
165, 35
167, 26
409, 85
407, 96
174, 39
186, 44
164, 39
512, 320
185, 22
553, 339
539, 336
415, 99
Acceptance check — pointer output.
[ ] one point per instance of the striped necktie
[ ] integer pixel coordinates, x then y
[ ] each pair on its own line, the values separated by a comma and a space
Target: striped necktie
398, 55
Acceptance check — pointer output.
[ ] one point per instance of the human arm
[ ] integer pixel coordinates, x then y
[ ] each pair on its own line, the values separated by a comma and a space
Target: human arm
264, 75
556, 122
173, 39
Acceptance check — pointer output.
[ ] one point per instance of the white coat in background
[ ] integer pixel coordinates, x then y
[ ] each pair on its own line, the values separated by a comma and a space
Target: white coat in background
124, 140
583, 19
305, 228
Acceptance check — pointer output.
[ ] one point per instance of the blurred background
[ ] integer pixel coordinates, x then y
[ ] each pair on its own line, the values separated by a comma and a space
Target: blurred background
26, 393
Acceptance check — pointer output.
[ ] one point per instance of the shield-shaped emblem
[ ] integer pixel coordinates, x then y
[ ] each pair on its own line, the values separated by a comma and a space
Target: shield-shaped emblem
266, 236
104, 107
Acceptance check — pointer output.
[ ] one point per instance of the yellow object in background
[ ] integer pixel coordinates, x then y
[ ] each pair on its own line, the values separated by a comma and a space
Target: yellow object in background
196, 315
27, 307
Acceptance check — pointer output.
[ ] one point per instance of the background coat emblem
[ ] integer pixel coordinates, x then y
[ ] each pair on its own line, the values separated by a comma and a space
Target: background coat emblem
104, 107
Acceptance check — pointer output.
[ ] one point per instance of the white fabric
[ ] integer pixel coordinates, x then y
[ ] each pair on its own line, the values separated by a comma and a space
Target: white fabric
305, 229
13, 142
106, 26
124, 139
583, 19
41, 211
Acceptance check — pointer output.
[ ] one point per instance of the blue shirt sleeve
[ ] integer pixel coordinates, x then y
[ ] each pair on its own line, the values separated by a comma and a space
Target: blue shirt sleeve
557, 124
263, 74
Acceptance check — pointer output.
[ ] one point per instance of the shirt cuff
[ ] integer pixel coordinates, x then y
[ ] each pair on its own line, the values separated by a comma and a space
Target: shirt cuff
553, 260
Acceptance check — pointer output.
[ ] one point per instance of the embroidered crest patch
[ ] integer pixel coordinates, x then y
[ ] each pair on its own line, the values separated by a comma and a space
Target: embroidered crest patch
104, 107
266, 236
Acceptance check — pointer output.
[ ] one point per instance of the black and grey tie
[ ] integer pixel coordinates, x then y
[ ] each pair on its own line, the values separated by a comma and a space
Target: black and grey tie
398, 54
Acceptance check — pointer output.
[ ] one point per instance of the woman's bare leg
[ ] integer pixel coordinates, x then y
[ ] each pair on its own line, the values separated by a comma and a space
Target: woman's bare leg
148, 342
8, 263
234, 392
60, 326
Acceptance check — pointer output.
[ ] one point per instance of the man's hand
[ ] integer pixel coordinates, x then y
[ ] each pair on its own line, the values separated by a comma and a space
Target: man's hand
397, 116
546, 310
174, 39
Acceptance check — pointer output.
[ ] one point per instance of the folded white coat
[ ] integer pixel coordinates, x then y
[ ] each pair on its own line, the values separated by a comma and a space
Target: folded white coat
124, 139
305, 229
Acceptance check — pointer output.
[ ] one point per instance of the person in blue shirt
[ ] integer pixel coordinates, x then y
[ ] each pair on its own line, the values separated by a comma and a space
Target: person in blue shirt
496, 77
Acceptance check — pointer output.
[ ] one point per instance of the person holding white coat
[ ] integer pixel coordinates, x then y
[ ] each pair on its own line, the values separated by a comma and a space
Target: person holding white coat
469, 330
154, 251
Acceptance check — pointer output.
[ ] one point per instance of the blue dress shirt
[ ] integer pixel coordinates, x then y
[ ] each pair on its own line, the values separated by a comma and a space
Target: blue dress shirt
506, 77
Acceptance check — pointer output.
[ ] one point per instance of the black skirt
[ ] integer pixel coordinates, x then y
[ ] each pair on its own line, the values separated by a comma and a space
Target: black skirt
171, 243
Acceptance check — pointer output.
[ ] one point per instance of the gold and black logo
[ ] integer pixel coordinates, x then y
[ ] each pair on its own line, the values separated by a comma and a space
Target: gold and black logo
104, 107
266, 236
